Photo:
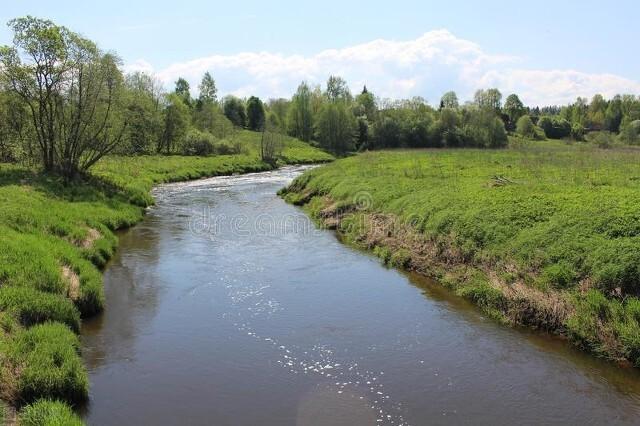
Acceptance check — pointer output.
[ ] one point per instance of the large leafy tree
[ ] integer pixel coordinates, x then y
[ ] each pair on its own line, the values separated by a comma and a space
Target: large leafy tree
208, 89
337, 127
449, 100
514, 109
235, 111
489, 99
300, 115
176, 124
337, 89
255, 113
183, 91
71, 89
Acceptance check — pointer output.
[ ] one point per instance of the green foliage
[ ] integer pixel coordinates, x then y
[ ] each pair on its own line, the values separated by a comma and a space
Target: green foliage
526, 128
300, 115
176, 124
449, 100
555, 127
47, 412
514, 109
601, 139
208, 89
235, 111
336, 127
631, 133
72, 85
182, 91
255, 114
198, 143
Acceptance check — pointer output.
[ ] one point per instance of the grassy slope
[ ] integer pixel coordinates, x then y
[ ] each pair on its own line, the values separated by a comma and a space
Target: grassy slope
47, 228
545, 221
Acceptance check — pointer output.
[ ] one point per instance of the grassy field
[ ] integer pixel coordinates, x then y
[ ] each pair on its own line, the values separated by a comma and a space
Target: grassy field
54, 240
544, 234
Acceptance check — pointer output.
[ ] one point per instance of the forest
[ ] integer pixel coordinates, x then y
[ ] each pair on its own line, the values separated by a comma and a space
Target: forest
64, 104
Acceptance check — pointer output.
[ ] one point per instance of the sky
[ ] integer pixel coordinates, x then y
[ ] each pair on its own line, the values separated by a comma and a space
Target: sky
548, 52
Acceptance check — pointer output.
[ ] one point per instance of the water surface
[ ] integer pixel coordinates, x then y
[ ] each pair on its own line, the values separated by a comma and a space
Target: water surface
226, 306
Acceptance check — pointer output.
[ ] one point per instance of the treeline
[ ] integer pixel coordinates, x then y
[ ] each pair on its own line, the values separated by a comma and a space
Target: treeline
64, 104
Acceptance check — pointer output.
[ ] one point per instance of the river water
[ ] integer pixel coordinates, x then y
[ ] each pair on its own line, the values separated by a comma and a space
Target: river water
226, 306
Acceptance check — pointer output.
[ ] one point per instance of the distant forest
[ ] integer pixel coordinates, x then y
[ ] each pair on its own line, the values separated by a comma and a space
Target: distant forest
64, 104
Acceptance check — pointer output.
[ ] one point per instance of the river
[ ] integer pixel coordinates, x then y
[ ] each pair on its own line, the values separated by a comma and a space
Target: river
226, 306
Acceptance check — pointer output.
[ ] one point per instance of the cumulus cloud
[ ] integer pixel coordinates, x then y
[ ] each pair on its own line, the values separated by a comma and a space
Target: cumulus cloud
427, 66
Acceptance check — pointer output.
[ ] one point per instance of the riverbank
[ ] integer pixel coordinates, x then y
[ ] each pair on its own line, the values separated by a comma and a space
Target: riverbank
544, 235
55, 238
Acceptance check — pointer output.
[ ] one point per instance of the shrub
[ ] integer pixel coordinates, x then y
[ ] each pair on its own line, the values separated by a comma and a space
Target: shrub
48, 356
48, 413
526, 128
601, 139
31, 307
555, 127
198, 143
482, 128
630, 133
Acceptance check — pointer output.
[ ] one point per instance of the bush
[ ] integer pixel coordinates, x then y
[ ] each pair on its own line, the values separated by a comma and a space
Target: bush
526, 128
482, 128
48, 413
31, 307
555, 127
601, 139
630, 133
198, 143
48, 357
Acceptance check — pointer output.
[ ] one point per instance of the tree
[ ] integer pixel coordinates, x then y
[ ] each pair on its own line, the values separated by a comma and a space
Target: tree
337, 89
209, 118
176, 124
235, 111
15, 131
630, 133
143, 114
449, 100
182, 90
489, 99
255, 113
366, 104
208, 90
613, 115
525, 127
555, 127
300, 117
514, 108
271, 142
71, 89
596, 112
336, 127
279, 107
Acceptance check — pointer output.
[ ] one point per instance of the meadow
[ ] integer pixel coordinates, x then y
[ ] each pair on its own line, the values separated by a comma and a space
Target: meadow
545, 234
55, 238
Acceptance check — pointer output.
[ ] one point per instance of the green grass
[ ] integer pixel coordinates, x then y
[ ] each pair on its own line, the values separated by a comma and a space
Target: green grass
557, 217
48, 413
54, 239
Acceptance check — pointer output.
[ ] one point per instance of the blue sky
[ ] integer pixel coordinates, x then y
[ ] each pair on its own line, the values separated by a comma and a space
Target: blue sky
546, 50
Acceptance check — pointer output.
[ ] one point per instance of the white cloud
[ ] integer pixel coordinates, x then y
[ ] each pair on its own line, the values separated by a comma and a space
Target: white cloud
427, 66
